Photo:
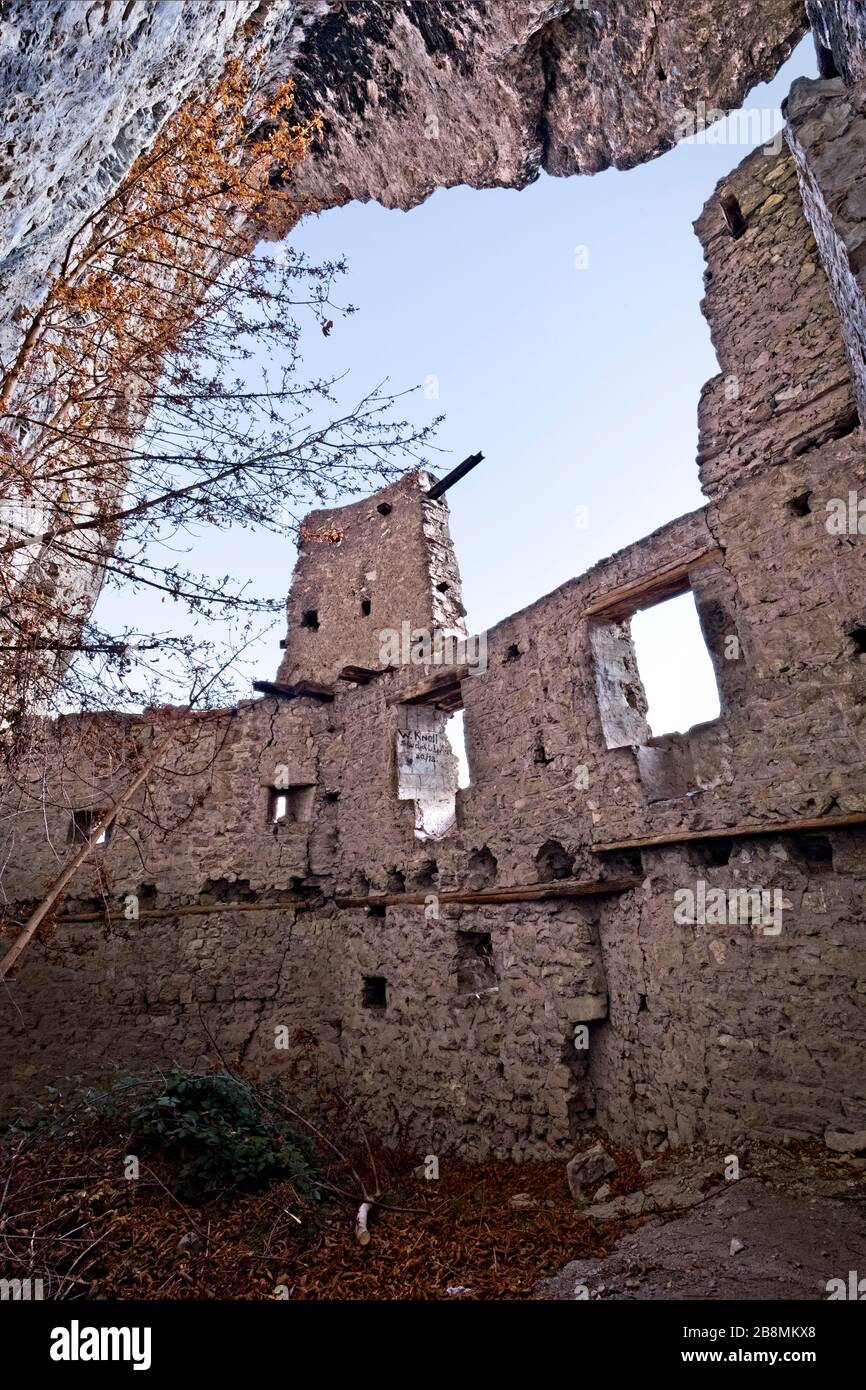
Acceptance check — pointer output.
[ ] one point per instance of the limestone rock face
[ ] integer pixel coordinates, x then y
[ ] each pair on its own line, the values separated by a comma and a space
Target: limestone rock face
840, 27
418, 96
85, 86
415, 95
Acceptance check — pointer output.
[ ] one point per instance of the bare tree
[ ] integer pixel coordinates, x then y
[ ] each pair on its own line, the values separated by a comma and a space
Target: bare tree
156, 390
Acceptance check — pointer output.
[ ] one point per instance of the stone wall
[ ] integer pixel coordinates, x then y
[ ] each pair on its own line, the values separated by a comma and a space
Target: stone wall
827, 134
366, 569
783, 383
692, 1029
662, 935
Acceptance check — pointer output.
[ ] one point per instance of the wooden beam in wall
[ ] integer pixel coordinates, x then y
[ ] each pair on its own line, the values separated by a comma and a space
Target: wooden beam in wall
312, 689
362, 675
626, 599
443, 689
190, 910
533, 892
726, 832
438, 489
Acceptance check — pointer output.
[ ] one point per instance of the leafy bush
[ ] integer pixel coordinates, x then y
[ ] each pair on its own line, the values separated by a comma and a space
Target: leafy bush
225, 1133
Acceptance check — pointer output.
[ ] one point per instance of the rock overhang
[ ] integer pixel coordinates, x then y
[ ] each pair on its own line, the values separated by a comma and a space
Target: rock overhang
414, 96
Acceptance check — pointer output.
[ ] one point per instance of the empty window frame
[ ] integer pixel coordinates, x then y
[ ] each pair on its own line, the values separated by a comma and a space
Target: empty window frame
653, 671
428, 762
288, 804
82, 824
476, 972
674, 666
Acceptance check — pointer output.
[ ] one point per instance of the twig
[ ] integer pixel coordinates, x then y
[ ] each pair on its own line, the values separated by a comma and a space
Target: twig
176, 1200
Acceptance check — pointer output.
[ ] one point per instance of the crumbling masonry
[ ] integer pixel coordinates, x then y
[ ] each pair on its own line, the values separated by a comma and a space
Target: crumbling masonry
495, 984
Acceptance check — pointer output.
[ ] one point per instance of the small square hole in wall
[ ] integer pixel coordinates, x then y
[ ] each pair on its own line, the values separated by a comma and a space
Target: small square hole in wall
291, 803
374, 995
366, 607
310, 619
711, 854
81, 827
476, 973
813, 853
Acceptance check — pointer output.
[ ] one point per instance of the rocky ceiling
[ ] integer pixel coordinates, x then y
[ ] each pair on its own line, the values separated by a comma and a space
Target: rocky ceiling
840, 27
415, 95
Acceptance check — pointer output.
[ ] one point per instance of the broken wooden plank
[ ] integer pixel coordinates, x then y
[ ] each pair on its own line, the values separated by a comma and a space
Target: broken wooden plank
726, 832
312, 689
626, 599
533, 892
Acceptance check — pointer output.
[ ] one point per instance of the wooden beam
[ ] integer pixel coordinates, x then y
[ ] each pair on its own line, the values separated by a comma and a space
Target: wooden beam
191, 910
434, 689
726, 832
312, 689
533, 892
626, 599
362, 675
454, 476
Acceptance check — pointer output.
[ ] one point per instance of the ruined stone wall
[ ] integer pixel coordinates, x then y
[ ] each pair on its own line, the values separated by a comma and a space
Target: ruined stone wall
783, 382
504, 1026
367, 568
716, 1029
702, 1020
827, 134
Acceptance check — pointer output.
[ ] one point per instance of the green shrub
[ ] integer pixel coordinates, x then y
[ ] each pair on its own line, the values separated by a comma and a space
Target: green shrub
225, 1134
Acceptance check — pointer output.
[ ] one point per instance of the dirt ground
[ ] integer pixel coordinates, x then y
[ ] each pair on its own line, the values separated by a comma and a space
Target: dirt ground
791, 1223
485, 1231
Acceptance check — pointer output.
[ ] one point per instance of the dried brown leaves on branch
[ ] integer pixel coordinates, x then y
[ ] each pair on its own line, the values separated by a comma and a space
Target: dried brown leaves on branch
155, 392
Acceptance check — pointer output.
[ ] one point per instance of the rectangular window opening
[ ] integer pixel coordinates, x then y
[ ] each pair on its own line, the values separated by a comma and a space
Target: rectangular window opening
431, 759
455, 732
82, 824
375, 992
476, 972
674, 667
291, 803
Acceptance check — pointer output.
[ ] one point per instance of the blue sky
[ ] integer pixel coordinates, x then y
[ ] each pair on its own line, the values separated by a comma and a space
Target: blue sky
580, 385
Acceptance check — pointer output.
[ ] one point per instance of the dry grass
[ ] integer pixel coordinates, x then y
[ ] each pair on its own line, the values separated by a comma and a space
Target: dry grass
69, 1216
